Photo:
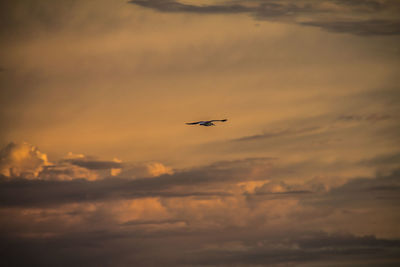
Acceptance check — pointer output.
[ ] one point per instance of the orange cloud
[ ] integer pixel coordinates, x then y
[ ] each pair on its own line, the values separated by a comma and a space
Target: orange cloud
157, 169
143, 170
22, 159
26, 161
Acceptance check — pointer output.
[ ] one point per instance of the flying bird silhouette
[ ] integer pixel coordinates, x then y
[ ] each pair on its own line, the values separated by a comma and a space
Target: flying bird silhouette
205, 123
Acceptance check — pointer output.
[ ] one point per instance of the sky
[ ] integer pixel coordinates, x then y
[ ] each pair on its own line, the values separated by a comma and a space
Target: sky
98, 168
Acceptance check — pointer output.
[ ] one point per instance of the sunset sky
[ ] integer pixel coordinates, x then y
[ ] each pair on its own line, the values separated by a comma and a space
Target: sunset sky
98, 168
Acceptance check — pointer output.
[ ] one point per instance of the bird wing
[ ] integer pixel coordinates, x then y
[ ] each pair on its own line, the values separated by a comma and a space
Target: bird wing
219, 120
191, 123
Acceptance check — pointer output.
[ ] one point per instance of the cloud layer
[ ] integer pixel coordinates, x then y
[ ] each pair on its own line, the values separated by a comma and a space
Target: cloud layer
234, 212
355, 17
23, 160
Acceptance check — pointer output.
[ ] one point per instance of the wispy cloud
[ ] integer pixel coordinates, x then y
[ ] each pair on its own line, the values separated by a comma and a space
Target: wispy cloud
365, 117
363, 17
363, 28
281, 133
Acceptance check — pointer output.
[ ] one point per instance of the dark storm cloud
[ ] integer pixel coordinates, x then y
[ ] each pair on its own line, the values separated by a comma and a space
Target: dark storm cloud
174, 6
95, 164
126, 243
288, 193
148, 222
384, 190
52, 192
364, 185
290, 10
318, 248
202, 182
263, 9
22, 192
323, 240
72, 249
28, 193
189, 248
390, 159
369, 5
267, 8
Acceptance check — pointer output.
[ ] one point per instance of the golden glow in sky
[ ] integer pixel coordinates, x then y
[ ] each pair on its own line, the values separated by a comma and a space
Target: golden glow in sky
97, 165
